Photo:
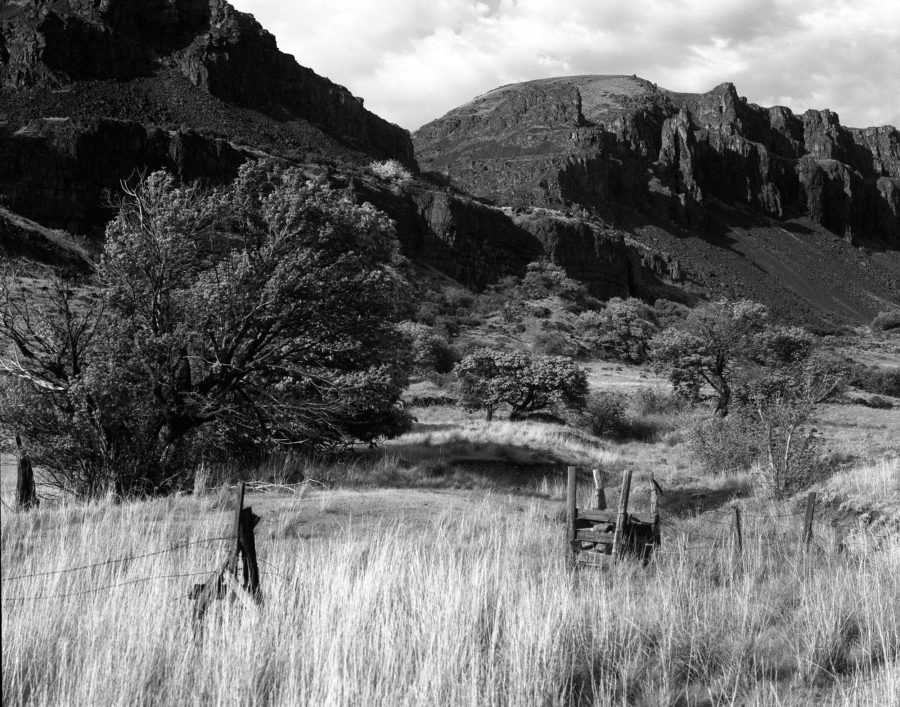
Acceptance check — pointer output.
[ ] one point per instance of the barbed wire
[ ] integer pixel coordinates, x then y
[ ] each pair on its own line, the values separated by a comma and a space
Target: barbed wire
93, 590
115, 560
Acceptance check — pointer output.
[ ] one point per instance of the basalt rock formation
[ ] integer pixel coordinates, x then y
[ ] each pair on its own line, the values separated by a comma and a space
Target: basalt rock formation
96, 91
707, 190
602, 142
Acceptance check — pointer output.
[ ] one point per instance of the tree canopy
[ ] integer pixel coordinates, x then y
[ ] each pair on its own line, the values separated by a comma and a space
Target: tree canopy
234, 320
527, 384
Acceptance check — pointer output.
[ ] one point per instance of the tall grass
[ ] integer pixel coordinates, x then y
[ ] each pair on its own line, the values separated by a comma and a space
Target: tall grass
470, 607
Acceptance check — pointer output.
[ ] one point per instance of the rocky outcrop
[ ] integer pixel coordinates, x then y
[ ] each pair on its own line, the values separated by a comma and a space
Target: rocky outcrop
226, 53
479, 244
21, 237
60, 172
601, 142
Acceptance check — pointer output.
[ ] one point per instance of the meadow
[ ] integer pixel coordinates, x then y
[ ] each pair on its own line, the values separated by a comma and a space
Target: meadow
432, 572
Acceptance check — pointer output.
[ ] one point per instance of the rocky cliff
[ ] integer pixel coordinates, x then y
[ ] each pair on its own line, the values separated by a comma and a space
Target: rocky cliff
220, 51
605, 142
96, 91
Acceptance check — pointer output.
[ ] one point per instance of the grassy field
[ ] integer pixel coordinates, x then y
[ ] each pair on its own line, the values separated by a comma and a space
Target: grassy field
432, 571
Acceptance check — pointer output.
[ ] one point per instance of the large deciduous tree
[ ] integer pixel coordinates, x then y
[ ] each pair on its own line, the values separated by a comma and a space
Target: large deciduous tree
527, 384
240, 319
708, 346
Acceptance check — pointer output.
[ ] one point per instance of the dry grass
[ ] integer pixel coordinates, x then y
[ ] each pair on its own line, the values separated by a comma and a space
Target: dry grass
369, 603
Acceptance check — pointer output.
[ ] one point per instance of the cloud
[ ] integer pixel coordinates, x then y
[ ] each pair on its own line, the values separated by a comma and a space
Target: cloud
413, 60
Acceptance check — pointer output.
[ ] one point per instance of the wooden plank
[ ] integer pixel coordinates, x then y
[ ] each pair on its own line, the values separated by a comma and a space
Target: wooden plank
570, 517
593, 536
610, 517
599, 491
621, 512
597, 559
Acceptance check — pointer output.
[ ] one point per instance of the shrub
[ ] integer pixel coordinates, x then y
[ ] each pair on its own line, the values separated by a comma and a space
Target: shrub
769, 431
724, 445
605, 415
647, 401
543, 279
554, 343
881, 381
391, 171
887, 320
429, 351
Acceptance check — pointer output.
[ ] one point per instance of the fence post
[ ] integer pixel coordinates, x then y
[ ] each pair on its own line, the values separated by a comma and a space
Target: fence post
570, 517
600, 500
248, 549
837, 536
620, 515
26, 497
738, 537
808, 520
236, 528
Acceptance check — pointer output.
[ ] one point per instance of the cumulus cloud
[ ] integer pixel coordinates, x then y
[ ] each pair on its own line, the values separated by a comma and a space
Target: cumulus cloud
413, 60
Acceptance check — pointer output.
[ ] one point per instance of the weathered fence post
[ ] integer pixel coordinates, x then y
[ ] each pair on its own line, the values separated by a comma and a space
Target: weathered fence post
248, 549
26, 496
738, 536
808, 520
600, 498
620, 515
249, 593
570, 516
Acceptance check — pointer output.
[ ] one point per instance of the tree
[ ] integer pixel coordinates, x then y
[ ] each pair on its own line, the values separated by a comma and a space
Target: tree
622, 330
490, 378
707, 347
258, 315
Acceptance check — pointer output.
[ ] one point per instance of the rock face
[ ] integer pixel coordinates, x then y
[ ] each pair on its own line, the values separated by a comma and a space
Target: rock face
58, 172
604, 142
93, 92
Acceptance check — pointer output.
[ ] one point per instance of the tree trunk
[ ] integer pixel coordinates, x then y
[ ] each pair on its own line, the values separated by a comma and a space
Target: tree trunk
490, 413
724, 399
26, 496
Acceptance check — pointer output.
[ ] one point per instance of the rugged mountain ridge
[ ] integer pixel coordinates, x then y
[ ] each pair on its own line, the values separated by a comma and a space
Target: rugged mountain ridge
603, 142
96, 91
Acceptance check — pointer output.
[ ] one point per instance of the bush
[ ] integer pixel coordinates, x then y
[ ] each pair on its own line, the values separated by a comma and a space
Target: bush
880, 381
429, 351
543, 279
768, 431
888, 320
724, 445
391, 171
554, 343
605, 415
647, 401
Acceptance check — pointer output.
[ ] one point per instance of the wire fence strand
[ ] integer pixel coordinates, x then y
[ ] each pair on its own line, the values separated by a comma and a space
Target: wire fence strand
93, 590
117, 560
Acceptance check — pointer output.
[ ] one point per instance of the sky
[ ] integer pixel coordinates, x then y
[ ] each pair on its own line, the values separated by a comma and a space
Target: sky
414, 60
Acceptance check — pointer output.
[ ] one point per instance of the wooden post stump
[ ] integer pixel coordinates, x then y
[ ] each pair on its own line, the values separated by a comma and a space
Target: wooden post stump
26, 496
808, 519
571, 483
